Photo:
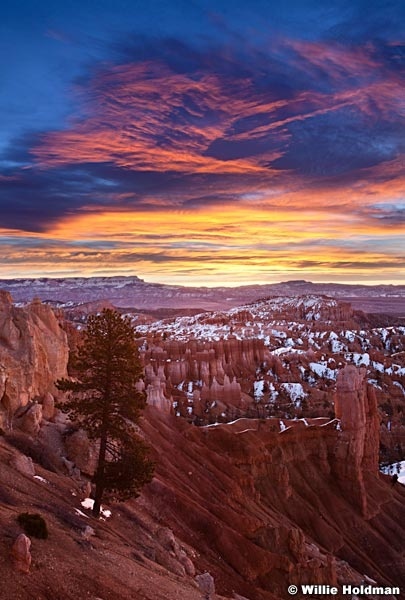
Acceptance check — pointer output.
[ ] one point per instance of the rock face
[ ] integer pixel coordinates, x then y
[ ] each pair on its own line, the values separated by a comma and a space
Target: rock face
82, 451
23, 464
31, 420
315, 509
155, 394
201, 373
205, 360
33, 354
20, 553
358, 444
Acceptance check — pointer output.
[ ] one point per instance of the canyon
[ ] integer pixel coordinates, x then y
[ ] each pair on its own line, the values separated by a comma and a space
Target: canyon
267, 422
277, 357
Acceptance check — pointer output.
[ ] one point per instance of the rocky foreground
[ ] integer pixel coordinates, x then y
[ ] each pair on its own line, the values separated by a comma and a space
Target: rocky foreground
258, 503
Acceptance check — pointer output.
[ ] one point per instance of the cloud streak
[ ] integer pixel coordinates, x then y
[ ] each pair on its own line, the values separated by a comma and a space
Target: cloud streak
260, 160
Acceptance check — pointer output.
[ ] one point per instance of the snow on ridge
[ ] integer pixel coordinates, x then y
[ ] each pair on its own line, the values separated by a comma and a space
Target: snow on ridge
295, 391
322, 370
262, 319
258, 390
400, 386
359, 359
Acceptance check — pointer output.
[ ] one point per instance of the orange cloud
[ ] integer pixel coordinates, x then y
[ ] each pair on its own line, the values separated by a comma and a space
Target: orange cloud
309, 183
134, 105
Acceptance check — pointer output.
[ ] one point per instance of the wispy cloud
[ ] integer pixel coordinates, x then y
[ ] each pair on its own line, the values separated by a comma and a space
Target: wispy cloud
249, 160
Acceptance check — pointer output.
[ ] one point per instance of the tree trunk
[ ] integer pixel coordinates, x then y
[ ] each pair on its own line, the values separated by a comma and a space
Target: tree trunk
99, 478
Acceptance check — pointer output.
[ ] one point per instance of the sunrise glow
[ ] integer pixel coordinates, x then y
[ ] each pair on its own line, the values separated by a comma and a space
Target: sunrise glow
201, 154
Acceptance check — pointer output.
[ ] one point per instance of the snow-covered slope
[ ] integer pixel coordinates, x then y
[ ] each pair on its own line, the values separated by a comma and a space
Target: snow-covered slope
134, 292
275, 357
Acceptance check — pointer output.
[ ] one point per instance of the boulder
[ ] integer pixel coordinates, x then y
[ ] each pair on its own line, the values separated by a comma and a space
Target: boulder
31, 421
187, 563
52, 438
206, 584
81, 451
169, 562
48, 406
166, 538
23, 464
86, 489
20, 553
175, 558
88, 532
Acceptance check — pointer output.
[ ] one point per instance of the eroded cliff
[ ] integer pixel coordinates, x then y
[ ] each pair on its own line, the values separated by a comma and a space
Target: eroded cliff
33, 354
268, 503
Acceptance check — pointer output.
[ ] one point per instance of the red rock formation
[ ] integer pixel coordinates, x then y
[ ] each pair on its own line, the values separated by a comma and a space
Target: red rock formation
212, 368
33, 354
303, 493
358, 444
303, 308
155, 395
31, 421
48, 406
82, 451
206, 584
20, 553
23, 464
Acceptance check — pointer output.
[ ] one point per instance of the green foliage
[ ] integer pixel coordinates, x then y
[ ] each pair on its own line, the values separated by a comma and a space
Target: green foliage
128, 470
106, 369
104, 401
33, 525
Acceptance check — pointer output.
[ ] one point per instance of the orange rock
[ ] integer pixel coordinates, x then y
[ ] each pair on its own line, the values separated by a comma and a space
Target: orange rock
20, 553
358, 444
33, 354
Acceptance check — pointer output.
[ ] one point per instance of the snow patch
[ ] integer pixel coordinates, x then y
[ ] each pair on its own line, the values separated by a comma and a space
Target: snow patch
39, 478
295, 391
258, 390
89, 503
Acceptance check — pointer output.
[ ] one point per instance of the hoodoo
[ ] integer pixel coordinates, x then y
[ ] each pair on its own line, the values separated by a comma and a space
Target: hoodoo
357, 448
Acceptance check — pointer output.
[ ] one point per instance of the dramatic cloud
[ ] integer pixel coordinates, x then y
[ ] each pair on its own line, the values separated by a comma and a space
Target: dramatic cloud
251, 159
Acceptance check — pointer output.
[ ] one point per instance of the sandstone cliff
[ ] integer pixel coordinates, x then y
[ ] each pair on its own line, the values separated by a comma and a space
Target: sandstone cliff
315, 508
33, 354
202, 375
259, 504
275, 357
357, 449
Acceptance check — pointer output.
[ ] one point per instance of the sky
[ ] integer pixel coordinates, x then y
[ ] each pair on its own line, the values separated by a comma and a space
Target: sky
203, 143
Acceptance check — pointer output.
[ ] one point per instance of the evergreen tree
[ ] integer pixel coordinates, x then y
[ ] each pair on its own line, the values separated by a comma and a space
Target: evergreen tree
104, 401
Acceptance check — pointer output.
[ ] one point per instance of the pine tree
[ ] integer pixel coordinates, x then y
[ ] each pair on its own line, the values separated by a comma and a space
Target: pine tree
104, 401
